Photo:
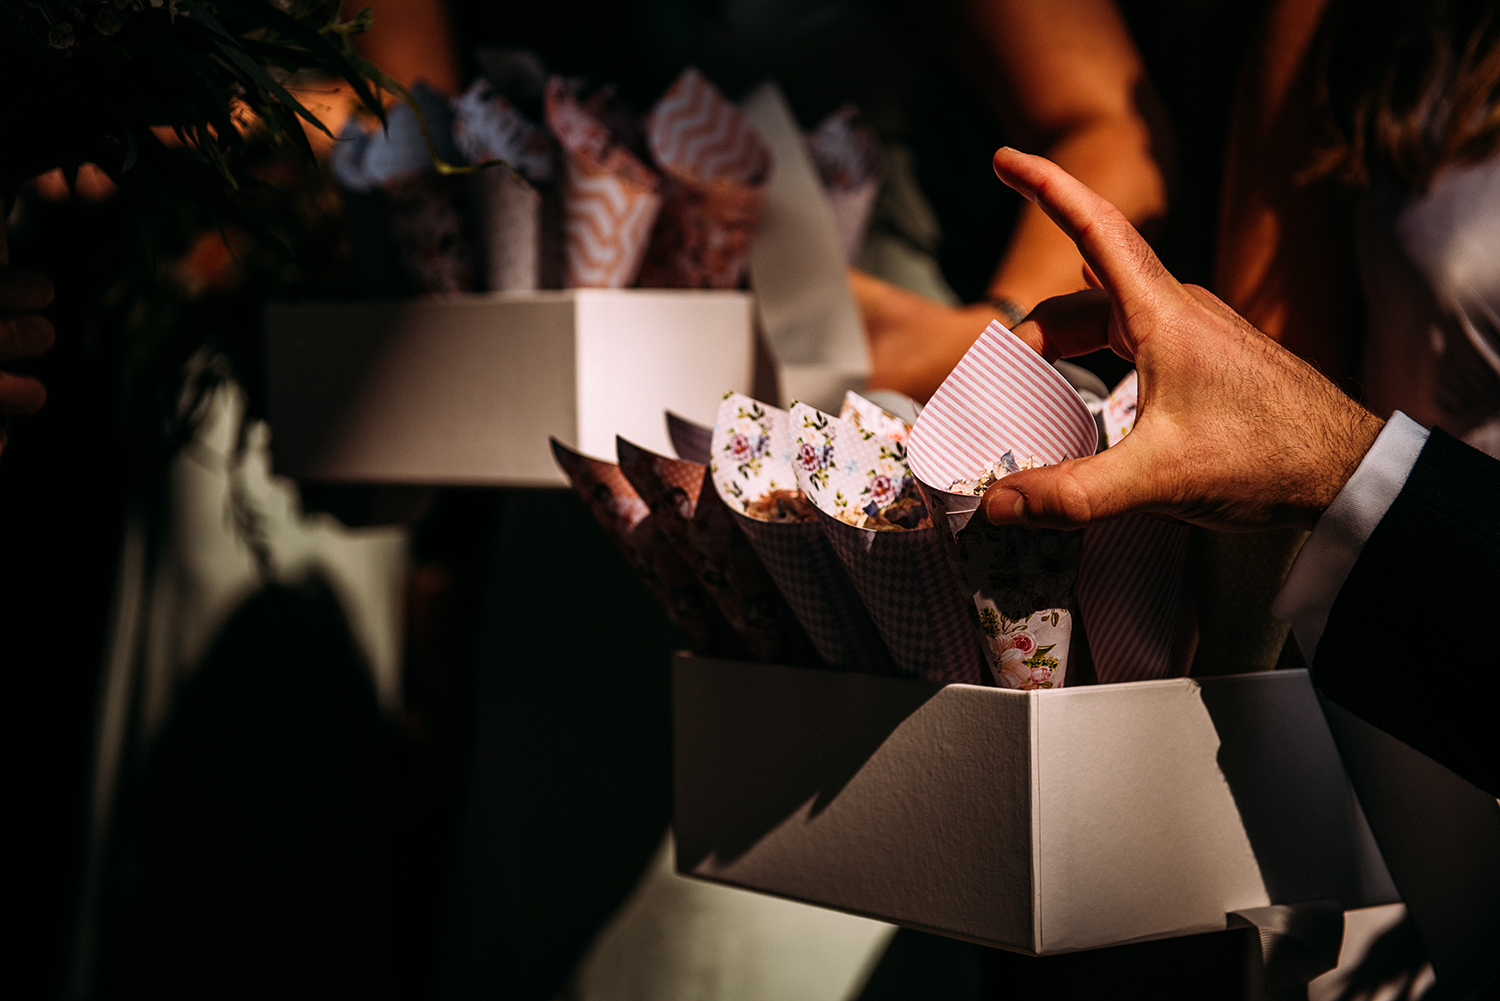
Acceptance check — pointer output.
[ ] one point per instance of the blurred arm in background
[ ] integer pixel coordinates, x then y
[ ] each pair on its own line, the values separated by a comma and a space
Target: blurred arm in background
1065, 79
1285, 258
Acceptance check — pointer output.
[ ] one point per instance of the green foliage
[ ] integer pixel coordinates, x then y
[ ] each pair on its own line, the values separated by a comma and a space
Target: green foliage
114, 82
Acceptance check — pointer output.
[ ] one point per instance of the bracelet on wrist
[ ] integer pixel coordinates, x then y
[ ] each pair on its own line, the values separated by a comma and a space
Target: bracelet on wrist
1011, 312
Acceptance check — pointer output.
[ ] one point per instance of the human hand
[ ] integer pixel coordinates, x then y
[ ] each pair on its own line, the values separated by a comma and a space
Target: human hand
1233, 432
914, 341
22, 335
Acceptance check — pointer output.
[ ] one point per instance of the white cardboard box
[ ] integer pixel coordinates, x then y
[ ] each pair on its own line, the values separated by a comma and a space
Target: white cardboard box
1041, 822
466, 389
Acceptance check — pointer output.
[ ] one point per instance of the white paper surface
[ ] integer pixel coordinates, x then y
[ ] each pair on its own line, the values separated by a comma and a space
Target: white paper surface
797, 268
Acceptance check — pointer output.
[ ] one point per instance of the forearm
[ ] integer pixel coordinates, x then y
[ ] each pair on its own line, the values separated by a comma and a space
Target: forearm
1113, 156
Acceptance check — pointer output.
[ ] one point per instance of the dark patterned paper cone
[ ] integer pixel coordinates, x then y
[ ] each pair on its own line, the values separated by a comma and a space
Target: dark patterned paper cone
506, 207
610, 198
716, 167
1003, 409
632, 526
692, 440
847, 155
752, 472
691, 516
858, 480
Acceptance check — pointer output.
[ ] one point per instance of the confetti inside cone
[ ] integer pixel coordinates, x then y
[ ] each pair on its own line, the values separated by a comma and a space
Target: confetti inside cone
632, 527
610, 198
716, 167
703, 532
752, 472
900, 571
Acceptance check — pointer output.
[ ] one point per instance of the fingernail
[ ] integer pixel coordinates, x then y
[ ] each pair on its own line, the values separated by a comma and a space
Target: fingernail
1005, 507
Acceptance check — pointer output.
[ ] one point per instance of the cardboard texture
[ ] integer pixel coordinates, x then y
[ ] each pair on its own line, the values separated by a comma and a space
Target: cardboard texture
467, 389
797, 269
1042, 822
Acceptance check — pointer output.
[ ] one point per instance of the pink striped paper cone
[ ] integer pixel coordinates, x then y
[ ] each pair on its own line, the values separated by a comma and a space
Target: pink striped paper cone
1004, 407
630, 524
751, 462
610, 198
690, 439
901, 575
1003, 398
716, 167
1141, 618
703, 532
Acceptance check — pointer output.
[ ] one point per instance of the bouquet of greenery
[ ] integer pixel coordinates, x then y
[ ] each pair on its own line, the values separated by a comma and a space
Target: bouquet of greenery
161, 94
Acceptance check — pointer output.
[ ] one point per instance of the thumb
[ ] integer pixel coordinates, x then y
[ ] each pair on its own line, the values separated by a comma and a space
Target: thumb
1071, 494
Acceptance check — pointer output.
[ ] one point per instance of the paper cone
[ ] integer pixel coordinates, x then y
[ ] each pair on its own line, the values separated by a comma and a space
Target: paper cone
752, 463
870, 416
901, 575
691, 440
1003, 403
847, 155
1002, 398
703, 532
629, 523
610, 198
716, 167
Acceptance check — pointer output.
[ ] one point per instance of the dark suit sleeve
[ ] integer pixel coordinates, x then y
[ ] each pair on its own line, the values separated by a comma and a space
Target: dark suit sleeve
1413, 640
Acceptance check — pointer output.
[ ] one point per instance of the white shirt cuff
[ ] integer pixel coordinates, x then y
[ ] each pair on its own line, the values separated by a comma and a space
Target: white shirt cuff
1340, 534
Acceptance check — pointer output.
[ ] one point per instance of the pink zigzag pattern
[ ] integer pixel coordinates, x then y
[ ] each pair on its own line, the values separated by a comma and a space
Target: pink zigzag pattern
696, 133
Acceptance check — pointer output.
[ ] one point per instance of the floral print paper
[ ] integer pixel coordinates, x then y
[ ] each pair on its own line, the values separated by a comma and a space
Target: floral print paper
752, 468
901, 573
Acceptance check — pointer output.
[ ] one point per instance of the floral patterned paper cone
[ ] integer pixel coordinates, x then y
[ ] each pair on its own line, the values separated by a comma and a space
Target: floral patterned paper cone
752, 472
1002, 409
716, 167
847, 154
692, 440
901, 574
704, 534
870, 416
1119, 410
632, 526
610, 198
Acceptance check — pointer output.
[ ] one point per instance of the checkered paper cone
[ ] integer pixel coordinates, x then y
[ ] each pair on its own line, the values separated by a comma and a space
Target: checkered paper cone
751, 463
610, 198
902, 575
703, 532
1002, 398
631, 525
716, 167
691, 440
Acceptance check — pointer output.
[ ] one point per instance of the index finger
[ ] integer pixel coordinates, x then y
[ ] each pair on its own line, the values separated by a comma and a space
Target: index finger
1119, 256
